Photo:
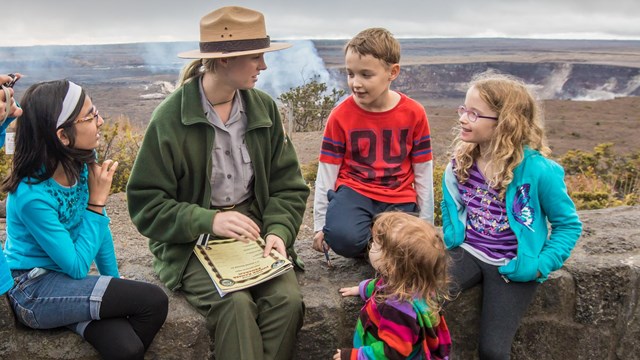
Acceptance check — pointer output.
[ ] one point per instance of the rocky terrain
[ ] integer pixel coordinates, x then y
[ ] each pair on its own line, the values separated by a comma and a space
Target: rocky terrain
590, 309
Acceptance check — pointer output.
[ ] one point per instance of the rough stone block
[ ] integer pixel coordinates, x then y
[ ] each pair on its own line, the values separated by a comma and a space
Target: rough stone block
555, 296
550, 339
330, 319
588, 310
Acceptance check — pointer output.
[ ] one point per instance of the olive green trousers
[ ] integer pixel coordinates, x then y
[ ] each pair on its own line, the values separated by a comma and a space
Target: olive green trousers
253, 324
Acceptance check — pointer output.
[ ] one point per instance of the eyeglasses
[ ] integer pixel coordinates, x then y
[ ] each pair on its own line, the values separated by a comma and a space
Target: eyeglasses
472, 115
93, 115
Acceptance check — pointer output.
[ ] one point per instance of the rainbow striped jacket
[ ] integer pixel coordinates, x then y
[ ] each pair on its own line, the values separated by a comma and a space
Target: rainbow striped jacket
397, 329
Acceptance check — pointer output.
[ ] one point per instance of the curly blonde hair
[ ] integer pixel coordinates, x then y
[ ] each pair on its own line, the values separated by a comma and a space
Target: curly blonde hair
519, 123
413, 260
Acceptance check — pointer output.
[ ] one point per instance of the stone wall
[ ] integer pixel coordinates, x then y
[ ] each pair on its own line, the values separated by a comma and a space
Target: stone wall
587, 310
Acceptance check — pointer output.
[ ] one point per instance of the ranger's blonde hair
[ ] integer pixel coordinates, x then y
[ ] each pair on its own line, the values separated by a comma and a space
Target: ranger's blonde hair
195, 68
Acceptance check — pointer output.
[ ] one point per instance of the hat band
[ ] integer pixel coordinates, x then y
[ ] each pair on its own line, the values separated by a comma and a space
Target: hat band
234, 45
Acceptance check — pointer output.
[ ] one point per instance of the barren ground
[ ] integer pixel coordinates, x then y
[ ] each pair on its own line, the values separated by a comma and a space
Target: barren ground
569, 125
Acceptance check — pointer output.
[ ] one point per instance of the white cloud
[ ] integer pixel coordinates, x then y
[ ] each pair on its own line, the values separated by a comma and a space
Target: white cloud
73, 21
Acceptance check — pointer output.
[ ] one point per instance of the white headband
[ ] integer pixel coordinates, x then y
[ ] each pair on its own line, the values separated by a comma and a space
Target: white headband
69, 103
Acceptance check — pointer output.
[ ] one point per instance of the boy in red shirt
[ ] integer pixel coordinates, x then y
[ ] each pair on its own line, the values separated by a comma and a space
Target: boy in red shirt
376, 150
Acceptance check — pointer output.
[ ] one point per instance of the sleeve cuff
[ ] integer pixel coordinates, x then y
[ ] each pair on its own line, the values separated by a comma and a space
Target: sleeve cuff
282, 232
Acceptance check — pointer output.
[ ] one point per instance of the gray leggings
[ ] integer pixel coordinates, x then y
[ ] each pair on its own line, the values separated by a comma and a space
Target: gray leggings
503, 304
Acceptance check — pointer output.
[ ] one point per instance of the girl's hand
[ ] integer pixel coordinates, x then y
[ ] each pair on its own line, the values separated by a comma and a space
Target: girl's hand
336, 356
235, 225
100, 178
350, 291
8, 107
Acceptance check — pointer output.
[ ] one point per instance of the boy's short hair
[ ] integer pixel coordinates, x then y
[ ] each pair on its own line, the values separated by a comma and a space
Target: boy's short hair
377, 42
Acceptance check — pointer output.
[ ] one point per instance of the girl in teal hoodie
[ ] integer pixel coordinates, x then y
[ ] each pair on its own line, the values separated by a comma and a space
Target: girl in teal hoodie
500, 192
57, 227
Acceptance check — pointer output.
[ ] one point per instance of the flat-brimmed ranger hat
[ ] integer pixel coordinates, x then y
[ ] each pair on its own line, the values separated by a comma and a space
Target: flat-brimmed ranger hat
232, 31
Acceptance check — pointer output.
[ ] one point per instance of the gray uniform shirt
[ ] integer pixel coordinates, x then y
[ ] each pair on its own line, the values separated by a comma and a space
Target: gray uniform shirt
231, 174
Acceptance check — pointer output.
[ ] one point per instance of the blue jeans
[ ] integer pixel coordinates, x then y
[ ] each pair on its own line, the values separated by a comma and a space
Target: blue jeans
347, 228
45, 299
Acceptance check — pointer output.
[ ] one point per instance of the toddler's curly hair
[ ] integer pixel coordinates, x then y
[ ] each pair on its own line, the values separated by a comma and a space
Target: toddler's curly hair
413, 261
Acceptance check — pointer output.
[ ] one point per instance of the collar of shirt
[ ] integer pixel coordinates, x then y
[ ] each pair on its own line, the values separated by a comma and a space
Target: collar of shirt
237, 109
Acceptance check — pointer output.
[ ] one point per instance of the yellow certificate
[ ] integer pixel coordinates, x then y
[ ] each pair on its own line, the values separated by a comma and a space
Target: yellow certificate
234, 265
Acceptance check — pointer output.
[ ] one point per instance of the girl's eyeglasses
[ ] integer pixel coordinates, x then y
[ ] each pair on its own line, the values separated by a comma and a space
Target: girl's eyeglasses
472, 115
93, 115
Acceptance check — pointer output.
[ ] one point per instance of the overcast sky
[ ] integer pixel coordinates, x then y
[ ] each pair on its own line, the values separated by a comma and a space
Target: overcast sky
35, 22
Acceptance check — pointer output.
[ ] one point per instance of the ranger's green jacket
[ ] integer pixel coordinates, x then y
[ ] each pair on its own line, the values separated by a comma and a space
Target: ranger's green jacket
169, 192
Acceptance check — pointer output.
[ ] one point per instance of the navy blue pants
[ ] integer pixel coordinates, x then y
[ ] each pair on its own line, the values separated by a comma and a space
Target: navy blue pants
347, 228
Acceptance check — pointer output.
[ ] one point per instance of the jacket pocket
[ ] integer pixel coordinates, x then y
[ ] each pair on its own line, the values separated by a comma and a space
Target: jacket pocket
523, 268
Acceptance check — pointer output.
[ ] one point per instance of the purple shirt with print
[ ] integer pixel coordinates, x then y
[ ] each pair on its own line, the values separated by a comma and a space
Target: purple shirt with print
488, 229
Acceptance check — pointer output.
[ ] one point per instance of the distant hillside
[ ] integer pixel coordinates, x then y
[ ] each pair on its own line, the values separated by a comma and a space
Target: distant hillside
559, 69
131, 79
433, 68
552, 80
465, 50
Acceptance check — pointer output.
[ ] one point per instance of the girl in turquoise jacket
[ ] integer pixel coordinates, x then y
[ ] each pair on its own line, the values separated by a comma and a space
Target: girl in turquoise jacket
57, 227
500, 193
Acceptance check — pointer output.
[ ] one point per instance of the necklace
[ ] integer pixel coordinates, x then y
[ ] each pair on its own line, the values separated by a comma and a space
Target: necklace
222, 102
